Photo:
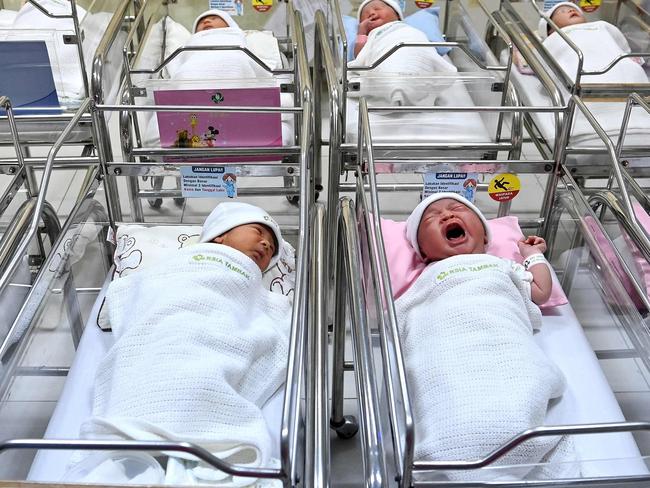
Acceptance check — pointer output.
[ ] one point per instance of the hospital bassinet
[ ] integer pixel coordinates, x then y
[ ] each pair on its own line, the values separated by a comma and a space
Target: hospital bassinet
541, 81
601, 293
275, 56
82, 56
74, 275
71, 286
463, 122
92, 45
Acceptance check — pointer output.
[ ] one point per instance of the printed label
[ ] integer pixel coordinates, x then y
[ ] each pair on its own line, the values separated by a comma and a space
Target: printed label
232, 7
465, 269
504, 187
424, 3
208, 182
262, 5
462, 183
216, 259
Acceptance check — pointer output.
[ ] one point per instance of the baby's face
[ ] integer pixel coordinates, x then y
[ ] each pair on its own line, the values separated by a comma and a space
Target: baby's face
378, 13
211, 22
255, 240
565, 16
449, 228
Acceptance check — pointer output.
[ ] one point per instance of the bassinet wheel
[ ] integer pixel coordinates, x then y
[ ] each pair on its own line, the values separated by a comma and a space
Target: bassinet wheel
348, 428
155, 202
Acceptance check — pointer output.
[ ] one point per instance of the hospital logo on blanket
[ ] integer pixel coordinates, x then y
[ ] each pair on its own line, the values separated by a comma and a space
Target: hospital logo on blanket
464, 269
214, 259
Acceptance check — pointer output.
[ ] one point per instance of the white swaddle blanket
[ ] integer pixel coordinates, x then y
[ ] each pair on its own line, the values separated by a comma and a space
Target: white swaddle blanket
476, 377
215, 64
400, 70
200, 347
600, 43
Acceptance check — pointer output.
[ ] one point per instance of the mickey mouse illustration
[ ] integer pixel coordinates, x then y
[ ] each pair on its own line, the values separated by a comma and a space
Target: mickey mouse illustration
210, 136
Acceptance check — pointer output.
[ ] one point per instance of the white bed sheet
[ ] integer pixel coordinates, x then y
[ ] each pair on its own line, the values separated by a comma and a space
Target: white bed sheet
608, 114
467, 127
588, 398
75, 402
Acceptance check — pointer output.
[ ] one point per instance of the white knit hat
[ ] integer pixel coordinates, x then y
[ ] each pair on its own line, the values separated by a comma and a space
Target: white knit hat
228, 215
413, 221
542, 28
391, 3
219, 13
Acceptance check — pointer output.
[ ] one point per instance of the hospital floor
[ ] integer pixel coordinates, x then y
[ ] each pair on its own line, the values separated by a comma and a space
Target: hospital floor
31, 400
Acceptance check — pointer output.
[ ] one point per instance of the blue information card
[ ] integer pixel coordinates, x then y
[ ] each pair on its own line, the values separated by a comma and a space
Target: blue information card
209, 181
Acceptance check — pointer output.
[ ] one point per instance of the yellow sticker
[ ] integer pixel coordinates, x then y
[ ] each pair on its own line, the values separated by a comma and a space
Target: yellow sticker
504, 187
262, 5
424, 3
589, 5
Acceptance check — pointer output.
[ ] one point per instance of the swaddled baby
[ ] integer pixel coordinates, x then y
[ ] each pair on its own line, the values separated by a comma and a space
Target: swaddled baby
215, 28
381, 28
200, 347
476, 377
600, 42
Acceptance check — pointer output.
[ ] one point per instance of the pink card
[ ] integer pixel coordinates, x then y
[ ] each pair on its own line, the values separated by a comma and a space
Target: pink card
205, 129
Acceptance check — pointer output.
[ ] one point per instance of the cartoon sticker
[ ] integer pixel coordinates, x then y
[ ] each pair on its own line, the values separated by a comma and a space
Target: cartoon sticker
208, 181
589, 5
262, 5
424, 3
462, 183
504, 187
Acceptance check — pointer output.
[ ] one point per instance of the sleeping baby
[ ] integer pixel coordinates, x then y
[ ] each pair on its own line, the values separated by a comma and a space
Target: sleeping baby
200, 347
381, 28
600, 42
215, 28
477, 377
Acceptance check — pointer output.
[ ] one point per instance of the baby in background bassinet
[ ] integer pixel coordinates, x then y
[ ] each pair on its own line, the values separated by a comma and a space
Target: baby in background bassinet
476, 377
200, 347
215, 28
600, 42
381, 28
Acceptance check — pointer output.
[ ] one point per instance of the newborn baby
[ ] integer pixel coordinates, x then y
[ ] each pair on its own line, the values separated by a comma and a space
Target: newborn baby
200, 346
476, 376
381, 28
256, 235
215, 28
600, 42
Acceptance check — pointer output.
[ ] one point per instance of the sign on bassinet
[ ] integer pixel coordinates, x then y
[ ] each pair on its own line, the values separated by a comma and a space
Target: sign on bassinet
208, 181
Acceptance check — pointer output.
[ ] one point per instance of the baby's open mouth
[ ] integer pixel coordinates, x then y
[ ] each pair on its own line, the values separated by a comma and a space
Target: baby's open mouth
454, 232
